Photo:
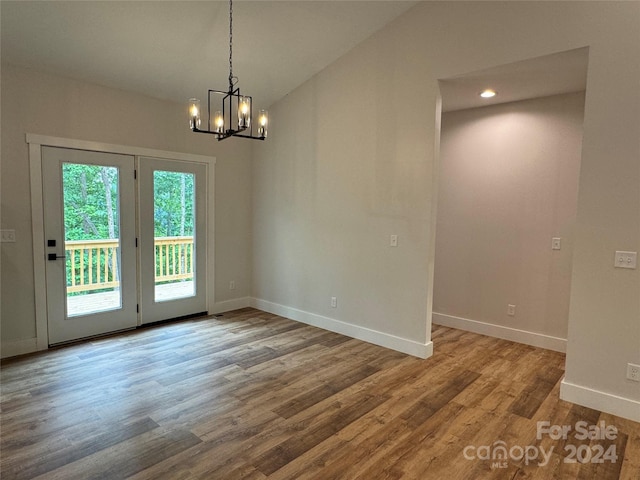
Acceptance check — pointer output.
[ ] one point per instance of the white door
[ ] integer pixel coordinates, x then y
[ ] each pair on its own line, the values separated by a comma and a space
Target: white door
101, 277
173, 238
89, 223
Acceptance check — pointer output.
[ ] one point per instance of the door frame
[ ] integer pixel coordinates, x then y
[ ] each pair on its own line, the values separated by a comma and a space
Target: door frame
35, 143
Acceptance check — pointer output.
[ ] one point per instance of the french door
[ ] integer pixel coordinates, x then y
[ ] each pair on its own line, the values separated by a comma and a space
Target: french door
172, 222
125, 241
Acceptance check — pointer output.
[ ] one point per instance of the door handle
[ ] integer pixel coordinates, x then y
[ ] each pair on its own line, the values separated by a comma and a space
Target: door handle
53, 256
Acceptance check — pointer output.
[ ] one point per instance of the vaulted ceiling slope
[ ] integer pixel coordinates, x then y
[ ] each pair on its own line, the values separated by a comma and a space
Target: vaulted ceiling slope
178, 49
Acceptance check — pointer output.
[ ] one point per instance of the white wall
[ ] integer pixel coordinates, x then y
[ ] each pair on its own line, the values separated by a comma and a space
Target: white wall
352, 159
508, 184
44, 104
327, 195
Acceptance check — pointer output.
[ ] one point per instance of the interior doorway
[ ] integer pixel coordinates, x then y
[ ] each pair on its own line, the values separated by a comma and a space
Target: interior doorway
507, 198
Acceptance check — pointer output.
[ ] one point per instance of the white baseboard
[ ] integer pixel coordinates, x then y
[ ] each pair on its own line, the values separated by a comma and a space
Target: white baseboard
382, 339
11, 348
233, 304
498, 331
605, 402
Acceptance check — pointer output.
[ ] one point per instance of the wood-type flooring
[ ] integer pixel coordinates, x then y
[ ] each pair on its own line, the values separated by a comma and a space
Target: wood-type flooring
251, 395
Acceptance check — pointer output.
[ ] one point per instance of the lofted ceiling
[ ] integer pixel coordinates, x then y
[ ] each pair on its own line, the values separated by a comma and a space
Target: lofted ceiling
178, 49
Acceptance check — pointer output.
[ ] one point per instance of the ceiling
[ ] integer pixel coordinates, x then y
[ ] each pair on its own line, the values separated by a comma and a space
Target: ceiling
178, 49
554, 74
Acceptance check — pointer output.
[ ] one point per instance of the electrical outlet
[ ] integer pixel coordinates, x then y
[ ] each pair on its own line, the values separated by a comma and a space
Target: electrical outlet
556, 243
8, 236
334, 302
633, 372
511, 310
232, 285
626, 260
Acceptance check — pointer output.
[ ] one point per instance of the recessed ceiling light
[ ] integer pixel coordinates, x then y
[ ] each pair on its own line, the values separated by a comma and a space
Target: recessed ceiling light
488, 93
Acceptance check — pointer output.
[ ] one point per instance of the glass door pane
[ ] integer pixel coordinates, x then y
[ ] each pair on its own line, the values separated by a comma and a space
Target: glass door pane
174, 235
91, 238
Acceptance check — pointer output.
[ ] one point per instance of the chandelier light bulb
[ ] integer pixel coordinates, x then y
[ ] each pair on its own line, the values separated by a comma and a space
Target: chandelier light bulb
218, 121
263, 121
194, 113
244, 109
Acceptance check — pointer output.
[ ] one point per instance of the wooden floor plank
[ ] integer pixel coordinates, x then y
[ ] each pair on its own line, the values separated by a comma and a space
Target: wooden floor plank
251, 395
42, 462
128, 457
536, 391
324, 391
296, 445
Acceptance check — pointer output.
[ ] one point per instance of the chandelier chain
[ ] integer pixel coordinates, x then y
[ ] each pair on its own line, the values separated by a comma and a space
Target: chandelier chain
232, 79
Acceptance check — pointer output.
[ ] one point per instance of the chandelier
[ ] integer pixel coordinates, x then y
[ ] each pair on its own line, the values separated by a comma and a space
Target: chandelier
233, 104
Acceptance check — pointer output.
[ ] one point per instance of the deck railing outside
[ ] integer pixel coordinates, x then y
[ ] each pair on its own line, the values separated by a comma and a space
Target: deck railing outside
93, 264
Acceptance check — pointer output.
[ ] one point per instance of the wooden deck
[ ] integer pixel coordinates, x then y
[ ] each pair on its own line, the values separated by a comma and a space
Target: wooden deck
253, 396
98, 302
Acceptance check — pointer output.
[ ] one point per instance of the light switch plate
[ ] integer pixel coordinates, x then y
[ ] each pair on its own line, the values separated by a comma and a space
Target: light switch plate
556, 243
393, 240
8, 236
626, 260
